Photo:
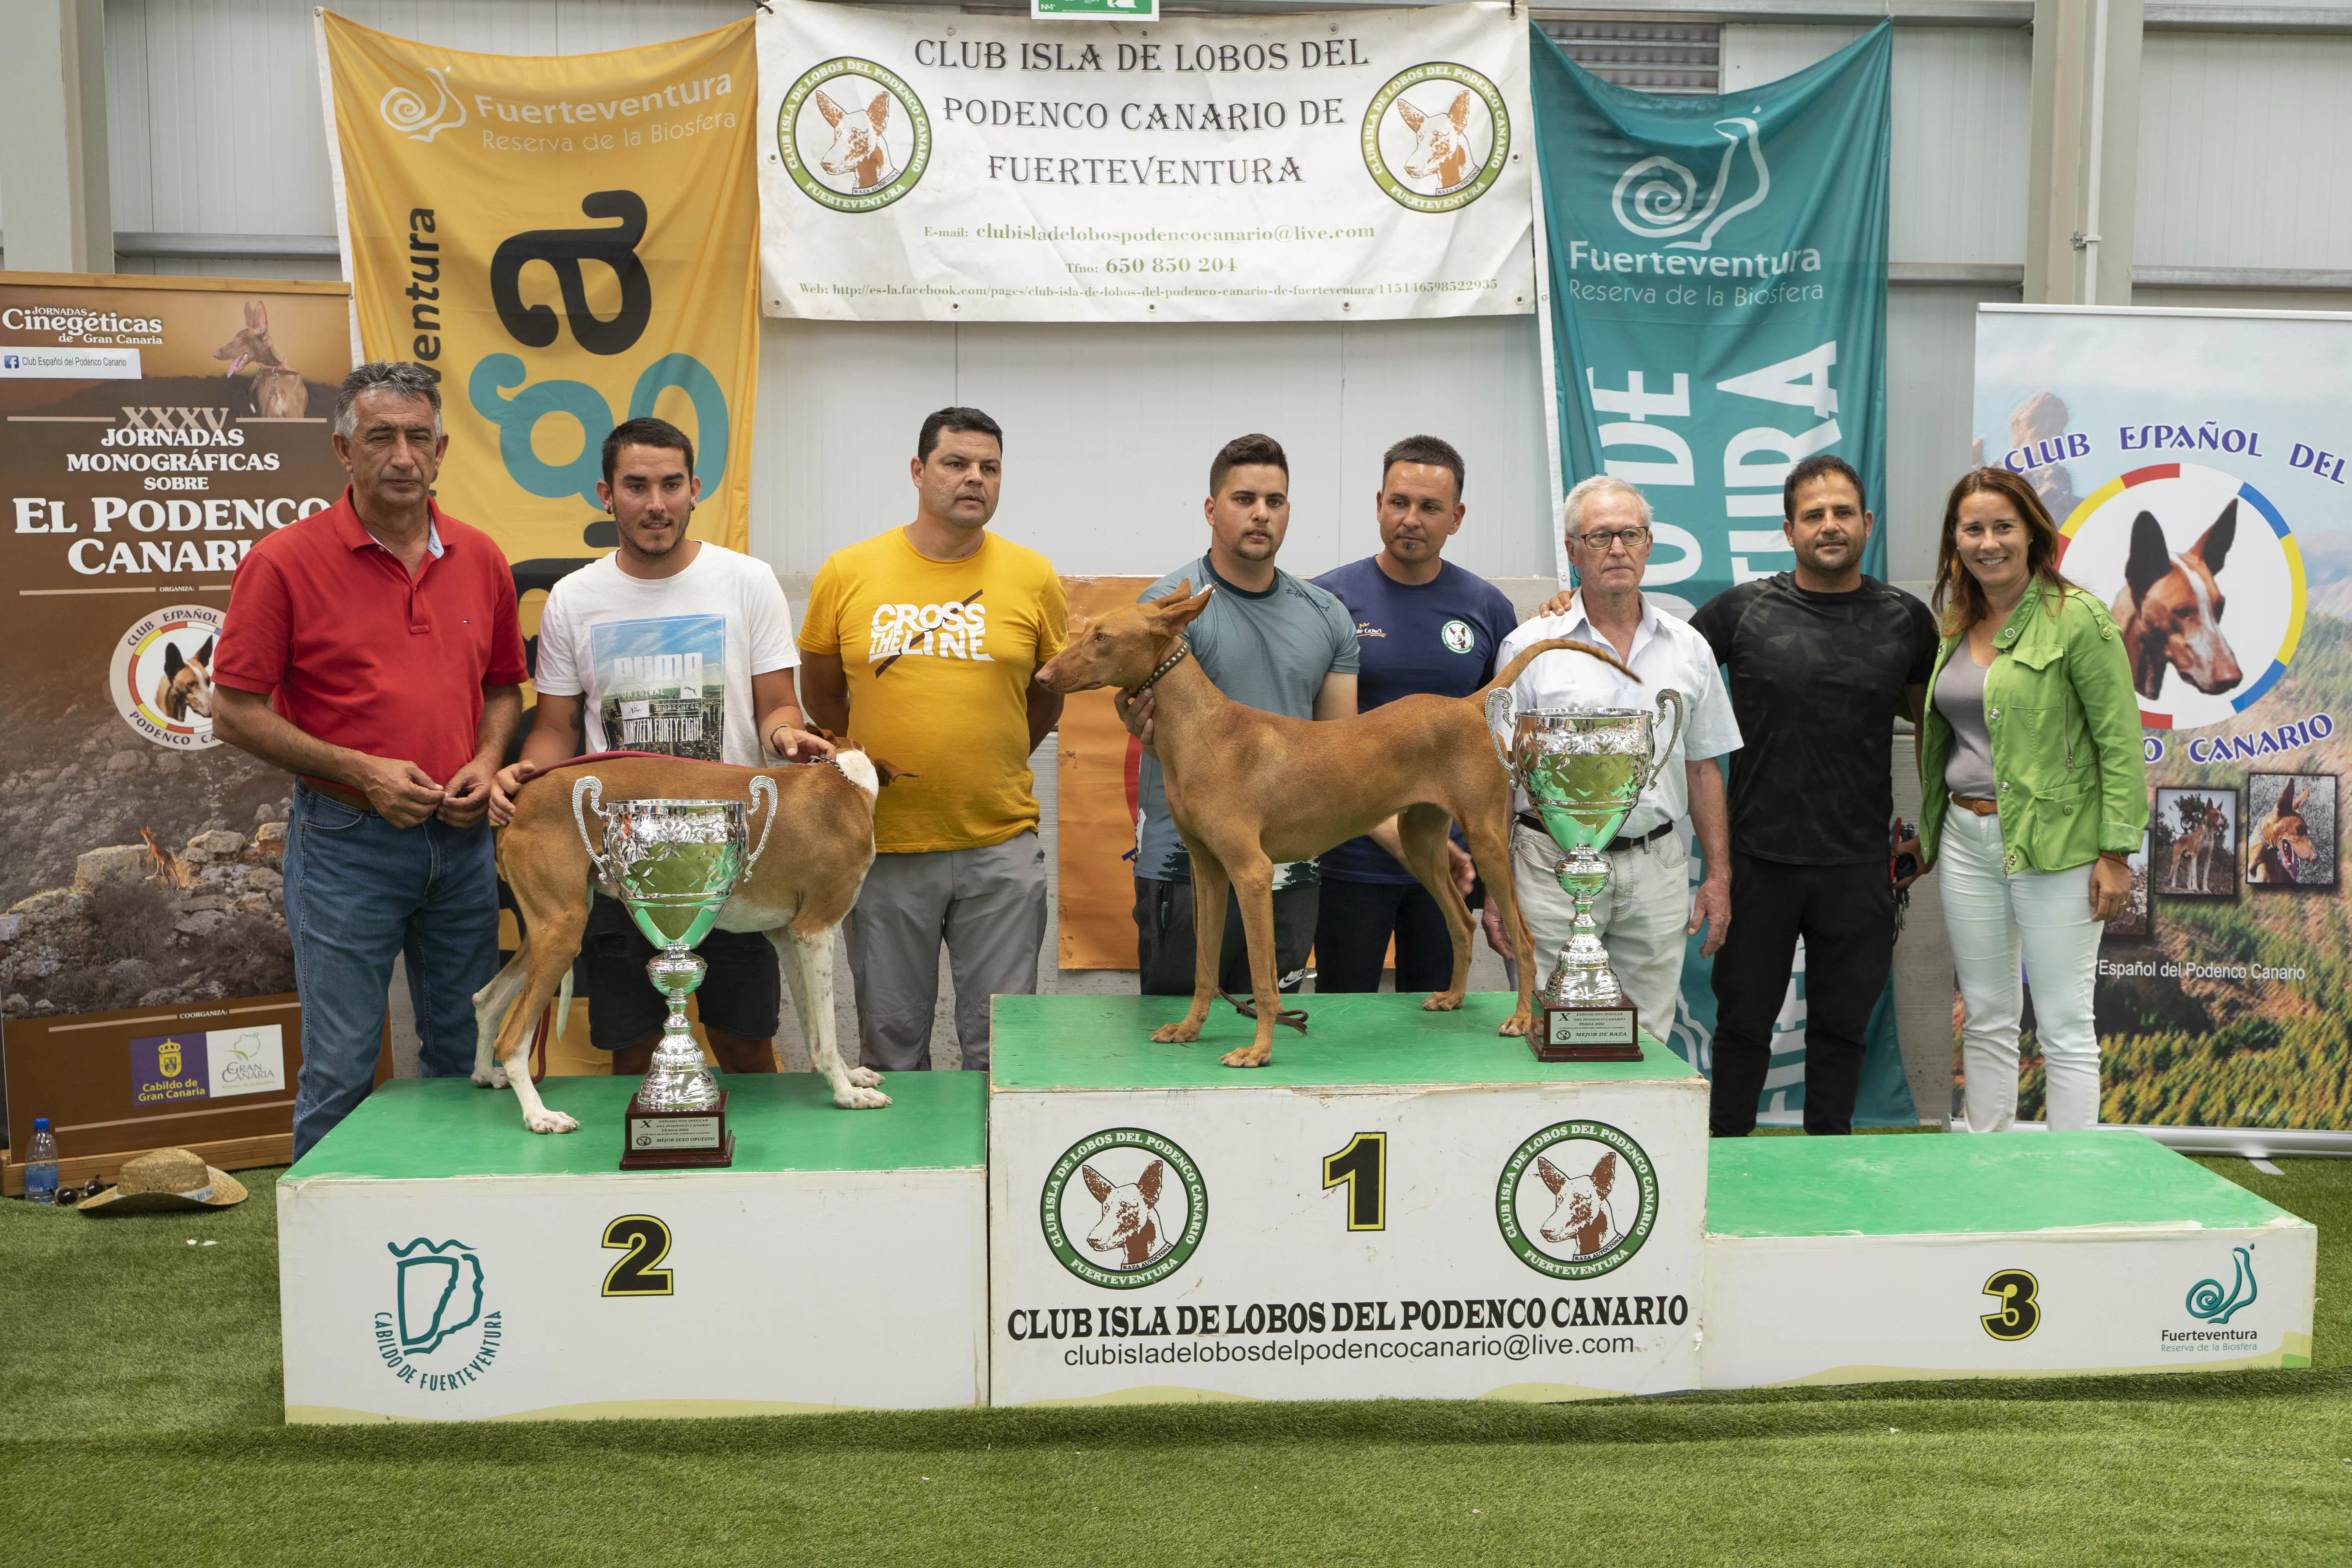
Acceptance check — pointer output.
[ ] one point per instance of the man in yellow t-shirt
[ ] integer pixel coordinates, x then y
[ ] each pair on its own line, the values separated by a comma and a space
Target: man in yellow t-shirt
922, 644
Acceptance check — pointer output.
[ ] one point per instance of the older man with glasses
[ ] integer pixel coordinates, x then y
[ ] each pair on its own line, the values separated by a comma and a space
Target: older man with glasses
1650, 906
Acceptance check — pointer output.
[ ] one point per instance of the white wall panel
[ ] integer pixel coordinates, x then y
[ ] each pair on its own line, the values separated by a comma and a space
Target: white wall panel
1962, 129
1110, 431
1931, 345
2242, 153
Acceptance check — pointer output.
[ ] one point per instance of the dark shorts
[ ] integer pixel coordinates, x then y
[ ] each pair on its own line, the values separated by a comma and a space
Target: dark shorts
1165, 946
741, 995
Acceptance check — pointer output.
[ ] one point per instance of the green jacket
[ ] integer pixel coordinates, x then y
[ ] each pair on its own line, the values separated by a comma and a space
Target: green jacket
2066, 744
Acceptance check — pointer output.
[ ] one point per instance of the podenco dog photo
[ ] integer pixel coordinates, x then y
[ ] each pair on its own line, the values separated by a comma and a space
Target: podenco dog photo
2283, 848
185, 686
2169, 610
1580, 1215
1130, 1224
2202, 861
279, 391
817, 858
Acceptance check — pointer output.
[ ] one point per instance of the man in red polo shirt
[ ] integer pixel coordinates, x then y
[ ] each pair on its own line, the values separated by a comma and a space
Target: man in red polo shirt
372, 651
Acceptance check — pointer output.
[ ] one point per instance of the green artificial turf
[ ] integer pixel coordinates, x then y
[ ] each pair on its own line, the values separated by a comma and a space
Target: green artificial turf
140, 1406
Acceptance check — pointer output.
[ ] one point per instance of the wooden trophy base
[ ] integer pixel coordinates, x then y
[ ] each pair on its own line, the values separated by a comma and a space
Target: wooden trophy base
1587, 1034
656, 1139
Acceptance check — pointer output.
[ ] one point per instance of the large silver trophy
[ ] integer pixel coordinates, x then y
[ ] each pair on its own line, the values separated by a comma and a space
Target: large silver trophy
1582, 769
674, 863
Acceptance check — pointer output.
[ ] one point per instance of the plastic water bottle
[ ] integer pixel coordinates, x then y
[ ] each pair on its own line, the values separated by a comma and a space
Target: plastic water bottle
41, 1163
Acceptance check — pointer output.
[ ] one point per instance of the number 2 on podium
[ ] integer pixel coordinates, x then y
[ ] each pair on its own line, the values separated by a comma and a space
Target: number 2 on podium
1363, 1165
640, 1273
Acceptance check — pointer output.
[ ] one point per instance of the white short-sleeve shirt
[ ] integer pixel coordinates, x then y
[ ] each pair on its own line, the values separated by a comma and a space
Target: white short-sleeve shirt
1667, 653
666, 664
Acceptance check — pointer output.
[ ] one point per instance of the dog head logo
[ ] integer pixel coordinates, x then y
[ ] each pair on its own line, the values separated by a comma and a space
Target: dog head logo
2281, 848
161, 676
1436, 137
1457, 637
2170, 608
1658, 198
1124, 1208
404, 109
1577, 1200
853, 136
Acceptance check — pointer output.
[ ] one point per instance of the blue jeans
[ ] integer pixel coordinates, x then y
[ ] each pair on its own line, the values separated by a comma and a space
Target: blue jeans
359, 893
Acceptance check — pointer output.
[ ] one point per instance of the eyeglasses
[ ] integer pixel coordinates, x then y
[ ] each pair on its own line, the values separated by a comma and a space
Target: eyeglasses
1598, 541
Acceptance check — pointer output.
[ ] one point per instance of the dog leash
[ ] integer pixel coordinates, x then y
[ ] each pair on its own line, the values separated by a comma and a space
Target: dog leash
1294, 1017
1170, 662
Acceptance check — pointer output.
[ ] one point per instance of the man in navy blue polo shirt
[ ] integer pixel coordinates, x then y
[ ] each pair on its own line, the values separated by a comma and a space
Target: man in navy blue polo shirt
1422, 625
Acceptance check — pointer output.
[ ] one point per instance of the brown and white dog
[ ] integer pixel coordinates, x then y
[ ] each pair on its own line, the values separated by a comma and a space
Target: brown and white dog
279, 392
1248, 789
816, 860
185, 686
2281, 844
1441, 149
2171, 607
1580, 1212
1130, 1224
857, 147
2197, 844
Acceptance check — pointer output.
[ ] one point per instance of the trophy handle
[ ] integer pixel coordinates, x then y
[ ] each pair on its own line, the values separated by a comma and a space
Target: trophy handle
592, 789
1499, 718
760, 785
1667, 698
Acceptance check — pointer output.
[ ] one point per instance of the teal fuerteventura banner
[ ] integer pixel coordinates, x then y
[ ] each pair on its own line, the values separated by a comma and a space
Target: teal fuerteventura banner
1718, 297
1716, 313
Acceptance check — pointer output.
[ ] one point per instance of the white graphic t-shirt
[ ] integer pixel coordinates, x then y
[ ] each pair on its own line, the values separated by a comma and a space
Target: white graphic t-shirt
666, 664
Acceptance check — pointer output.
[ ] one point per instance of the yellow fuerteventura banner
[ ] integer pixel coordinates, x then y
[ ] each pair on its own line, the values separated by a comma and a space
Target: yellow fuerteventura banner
572, 242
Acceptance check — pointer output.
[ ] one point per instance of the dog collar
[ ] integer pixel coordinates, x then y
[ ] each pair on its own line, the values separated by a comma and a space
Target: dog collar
1170, 662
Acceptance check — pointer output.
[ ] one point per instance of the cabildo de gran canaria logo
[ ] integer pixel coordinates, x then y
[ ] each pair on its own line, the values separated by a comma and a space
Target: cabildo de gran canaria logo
853, 136
1577, 1200
436, 1288
1124, 1208
1657, 198
1436, 137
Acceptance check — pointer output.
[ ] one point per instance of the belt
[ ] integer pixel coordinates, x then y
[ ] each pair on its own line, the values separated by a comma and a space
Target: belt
340, 795
1616, 845
1982, 807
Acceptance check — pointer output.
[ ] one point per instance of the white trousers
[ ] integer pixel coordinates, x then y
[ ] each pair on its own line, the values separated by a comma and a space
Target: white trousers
1641, 915
1990, 915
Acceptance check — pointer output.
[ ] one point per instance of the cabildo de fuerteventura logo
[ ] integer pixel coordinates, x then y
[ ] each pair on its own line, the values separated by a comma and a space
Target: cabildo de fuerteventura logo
1577, 1200
436, 1299
1124, 1208
853, 136
1657, 198
404, 109
1436, 137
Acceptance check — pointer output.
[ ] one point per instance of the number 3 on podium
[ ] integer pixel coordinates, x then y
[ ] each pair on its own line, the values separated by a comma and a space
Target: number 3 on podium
1363, 1165
640, 1273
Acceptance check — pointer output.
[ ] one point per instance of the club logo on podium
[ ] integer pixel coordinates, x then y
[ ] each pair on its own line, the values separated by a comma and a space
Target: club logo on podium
1124, 1208
1577, 1200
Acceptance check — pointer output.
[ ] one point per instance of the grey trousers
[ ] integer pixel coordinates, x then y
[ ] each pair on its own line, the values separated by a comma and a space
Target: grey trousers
988, 905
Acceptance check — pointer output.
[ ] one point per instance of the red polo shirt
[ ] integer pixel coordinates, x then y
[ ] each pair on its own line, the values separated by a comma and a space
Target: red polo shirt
350, 648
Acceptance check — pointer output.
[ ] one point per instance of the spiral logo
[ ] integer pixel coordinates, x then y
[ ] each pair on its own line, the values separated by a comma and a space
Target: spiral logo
2207, 1300
405, 110
1658, 198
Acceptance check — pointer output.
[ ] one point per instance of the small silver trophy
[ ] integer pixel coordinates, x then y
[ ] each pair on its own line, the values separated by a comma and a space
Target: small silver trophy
674, 864
1583, 769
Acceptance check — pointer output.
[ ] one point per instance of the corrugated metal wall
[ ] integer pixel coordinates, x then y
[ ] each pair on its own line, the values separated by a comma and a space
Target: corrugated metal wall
215, 129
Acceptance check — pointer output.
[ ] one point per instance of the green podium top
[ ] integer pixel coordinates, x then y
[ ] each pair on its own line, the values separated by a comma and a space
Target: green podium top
1958, 1183
1040, 1044
422, 1128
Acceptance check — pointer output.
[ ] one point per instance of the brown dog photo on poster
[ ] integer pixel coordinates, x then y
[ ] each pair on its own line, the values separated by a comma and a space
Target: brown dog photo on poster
2290, 830
2193, 842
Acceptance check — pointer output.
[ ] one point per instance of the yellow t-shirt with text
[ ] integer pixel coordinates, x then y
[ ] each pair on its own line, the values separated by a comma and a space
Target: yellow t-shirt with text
940, 656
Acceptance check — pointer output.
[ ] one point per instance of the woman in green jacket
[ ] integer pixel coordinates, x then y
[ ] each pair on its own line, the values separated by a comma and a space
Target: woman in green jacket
2032, 731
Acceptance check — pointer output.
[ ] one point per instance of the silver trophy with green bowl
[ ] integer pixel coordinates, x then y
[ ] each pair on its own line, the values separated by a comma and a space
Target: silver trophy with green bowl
1583, 769
674, 864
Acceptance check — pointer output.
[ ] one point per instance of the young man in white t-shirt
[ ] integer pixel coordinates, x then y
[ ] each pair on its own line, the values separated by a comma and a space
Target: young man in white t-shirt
683, 647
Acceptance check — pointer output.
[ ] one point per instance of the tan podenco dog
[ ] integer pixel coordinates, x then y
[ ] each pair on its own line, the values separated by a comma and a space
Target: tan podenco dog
2169, 610
1247, 788
799, 891
2197, 844
279, 390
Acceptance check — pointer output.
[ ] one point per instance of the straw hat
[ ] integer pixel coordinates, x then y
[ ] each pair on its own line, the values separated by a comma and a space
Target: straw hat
166, 1179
